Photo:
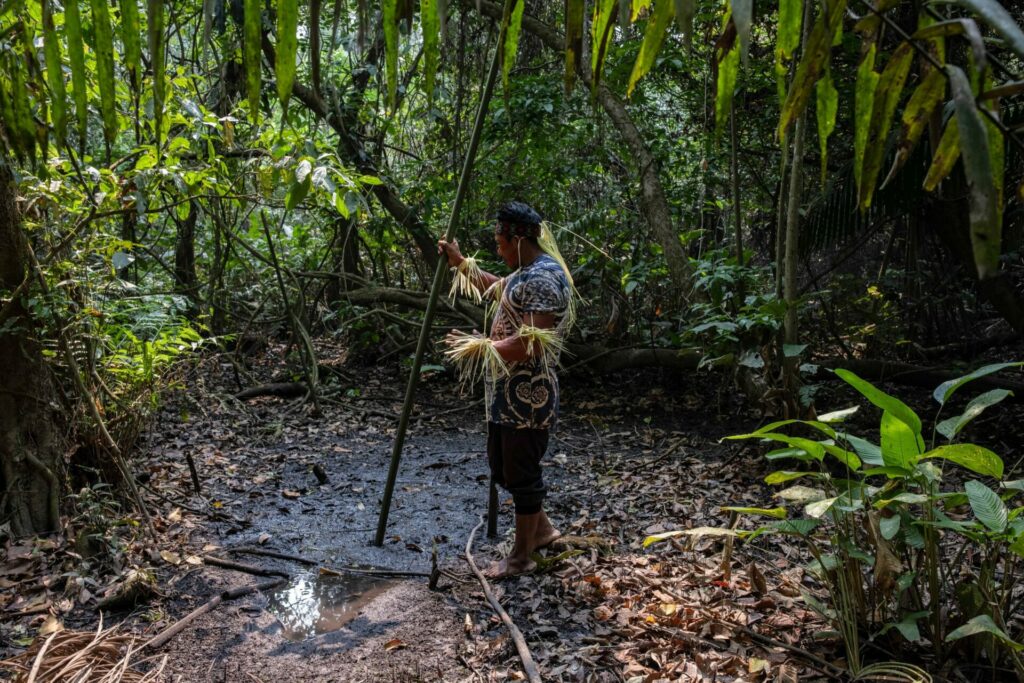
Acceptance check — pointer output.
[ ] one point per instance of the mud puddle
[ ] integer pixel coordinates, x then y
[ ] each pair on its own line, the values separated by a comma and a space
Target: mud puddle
313, 603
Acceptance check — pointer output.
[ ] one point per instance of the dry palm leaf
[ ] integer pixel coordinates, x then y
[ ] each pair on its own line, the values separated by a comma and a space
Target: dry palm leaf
476, 357
79, 656
542, 342
464, 279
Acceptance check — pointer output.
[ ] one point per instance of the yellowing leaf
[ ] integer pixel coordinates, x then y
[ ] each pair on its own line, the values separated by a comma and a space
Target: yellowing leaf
654, 36
170, 558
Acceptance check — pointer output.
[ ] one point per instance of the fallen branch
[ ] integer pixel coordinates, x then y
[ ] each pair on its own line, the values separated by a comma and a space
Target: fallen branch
529, 666
267, 552
825, 666
287, 390
239, 567
232, 594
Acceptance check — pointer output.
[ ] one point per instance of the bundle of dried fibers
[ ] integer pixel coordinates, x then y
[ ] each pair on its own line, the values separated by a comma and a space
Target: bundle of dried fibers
464, 279
542, 342
476, 357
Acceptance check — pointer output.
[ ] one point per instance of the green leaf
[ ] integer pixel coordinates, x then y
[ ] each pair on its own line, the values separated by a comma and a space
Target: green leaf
983, 624
945, 391
975, 458
515, 26
863, 108
287, 48
389, 16
996, 16
76, 58
868, 452
790, 20
430, 24
725, 85
888, 403
601, 29
927, 96
987, 506
818, 508
945, 156
812, 448
800, 527
685, 12
654, 36
827, 105
699, 531
782, 476
986, 231
844, 456
901, 447
158, 60
886, 97
251, 44
105, 67
812, 63
904, 497
908, 629
951, 427
130, 33
890, 472
54, 74
889, 526
575, 11
742, 17
777, 513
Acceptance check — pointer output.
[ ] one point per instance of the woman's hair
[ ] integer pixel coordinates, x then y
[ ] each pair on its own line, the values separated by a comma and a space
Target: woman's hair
517, 219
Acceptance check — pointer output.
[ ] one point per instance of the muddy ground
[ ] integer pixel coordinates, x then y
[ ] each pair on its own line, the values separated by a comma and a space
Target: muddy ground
635, 454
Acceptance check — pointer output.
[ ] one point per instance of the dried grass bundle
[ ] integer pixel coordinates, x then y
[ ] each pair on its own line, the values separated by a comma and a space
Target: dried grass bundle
464, 280
543, 342
82, 657
475, 356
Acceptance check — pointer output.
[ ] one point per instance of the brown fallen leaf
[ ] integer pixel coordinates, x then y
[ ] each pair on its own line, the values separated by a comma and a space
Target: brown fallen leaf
51, 625
291, 494
394, 644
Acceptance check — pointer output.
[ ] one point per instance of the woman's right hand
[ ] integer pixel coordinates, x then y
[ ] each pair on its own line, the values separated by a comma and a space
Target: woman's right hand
451, 251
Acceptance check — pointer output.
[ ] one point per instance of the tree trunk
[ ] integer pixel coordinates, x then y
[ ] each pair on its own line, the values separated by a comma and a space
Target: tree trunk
344, 257
30, 444
186, 280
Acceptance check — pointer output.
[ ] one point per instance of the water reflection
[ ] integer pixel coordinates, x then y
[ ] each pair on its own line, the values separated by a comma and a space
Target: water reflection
311, 603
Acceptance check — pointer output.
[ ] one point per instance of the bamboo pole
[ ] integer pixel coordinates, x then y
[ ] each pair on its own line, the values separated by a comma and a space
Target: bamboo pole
435, 289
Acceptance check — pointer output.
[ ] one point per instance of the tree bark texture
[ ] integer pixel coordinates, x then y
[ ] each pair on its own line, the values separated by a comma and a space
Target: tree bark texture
30, 434
652, 193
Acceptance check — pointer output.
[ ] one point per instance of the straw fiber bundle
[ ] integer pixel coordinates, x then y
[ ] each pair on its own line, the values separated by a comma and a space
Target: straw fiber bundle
464, 280
475, 356
82, 657
544, 343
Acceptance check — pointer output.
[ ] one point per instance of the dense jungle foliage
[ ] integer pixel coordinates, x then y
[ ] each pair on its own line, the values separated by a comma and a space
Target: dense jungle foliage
765, 191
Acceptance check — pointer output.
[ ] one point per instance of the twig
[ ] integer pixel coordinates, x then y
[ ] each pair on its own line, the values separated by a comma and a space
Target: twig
268, 552
178, 626
529, 666
239, 567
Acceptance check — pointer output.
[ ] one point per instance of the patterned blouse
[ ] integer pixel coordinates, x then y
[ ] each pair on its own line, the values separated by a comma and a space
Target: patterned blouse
528, 397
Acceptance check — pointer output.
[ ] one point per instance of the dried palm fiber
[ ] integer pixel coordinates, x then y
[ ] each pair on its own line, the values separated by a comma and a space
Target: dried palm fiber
542, 342
464, 279
475, 356
83, 657
493, 293
546, 241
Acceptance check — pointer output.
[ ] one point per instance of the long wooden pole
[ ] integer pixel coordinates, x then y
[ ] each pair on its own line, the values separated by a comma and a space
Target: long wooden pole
435, 289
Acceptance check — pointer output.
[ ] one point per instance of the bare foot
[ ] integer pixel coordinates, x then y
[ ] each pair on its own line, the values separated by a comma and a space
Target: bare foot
546, 538
510, 566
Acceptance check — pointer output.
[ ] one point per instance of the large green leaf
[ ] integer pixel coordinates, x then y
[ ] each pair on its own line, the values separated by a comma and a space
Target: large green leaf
727, 55
927, 96
389, 17
104, 35
975, 458
76, 59
158, 60
887, 95
996, 147
987, 506
951, 427
986, 231
777, 513
983, 624
863, 107
602, 28
996, 16
515, 26
786, 41
901, 446
431, 26
20, 112
945, 391
870, 453
742, 17
130, 37
55, 74
575, 10
654, 36
782, 476
685, 11
888, 403
945, 156
812, 448
287, 48
251, 46
811, 65
826, 107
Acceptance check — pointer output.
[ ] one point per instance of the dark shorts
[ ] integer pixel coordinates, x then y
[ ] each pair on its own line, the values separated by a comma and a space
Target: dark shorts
514, 455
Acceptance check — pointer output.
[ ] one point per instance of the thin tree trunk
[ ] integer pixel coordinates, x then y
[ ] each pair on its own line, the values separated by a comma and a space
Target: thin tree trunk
30, 447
